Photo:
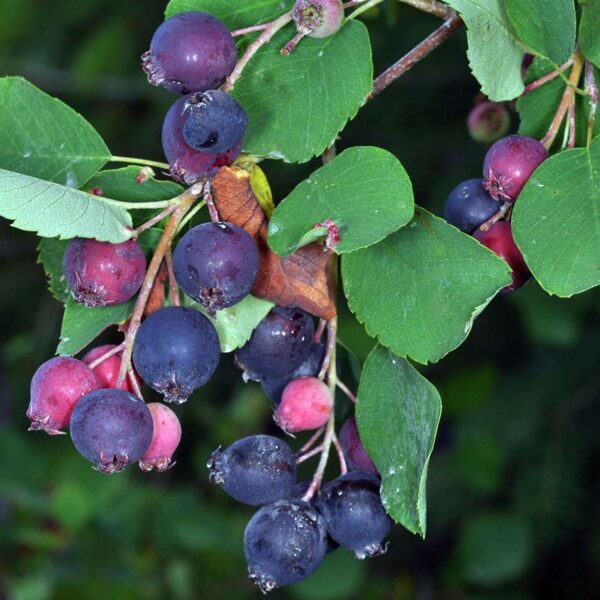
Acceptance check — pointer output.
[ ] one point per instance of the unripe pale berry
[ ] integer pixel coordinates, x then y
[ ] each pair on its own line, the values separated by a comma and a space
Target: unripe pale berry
488, 122
166, 435
318, 18
108, 370
306, 403
56, 387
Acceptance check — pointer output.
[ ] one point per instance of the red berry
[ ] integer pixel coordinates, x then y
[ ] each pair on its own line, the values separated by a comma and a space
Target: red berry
354, 452
166, 436
108, 370
56, 387
306, 403
488, 121
103, 274
498, 238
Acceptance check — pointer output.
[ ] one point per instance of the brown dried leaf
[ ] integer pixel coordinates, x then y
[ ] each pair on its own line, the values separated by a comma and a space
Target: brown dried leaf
301, 279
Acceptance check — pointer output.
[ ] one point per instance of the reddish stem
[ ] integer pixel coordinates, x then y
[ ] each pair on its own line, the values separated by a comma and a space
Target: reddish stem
309, 454
495, 218
173, 288
571, 117
210, 203
546, 78
313, 438
320, 329
154, 220
107, 355
340, 453
134, 383
346, 390
251, 29
591, 87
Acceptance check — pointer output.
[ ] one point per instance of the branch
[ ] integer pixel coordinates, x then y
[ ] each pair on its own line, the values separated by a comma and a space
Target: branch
443, 11
418, 53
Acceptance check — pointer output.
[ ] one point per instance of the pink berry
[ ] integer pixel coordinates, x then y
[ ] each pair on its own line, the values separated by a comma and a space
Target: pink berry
488, 122
306, 403
318, 18
56, 387
103, 274
165, 438
108, 370
354, 452
498, 238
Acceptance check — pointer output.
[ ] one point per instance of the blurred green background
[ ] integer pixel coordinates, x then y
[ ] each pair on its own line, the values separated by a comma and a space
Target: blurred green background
513, 491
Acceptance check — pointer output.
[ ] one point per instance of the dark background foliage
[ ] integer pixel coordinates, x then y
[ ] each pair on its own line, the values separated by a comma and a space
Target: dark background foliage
513, 509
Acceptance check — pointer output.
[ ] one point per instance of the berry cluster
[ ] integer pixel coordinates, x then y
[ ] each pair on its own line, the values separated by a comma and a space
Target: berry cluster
481, 207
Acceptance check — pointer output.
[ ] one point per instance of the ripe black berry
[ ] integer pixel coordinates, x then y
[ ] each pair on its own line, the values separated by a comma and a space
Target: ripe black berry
216, 264
284, 542
176, 351
215, 122
111, 428
190, 52
279, 344
254, 470
469, 205
354, 514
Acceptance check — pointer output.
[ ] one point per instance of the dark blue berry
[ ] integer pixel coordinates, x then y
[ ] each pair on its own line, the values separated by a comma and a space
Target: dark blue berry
176, 351
468, 206
111, 428
190, 52
279, 345
355, 517
215, 122
254, 470
216, 264
284, 543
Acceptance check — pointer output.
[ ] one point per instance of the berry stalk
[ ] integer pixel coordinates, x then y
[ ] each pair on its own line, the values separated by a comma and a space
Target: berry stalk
131, 160
591, 87
546, 78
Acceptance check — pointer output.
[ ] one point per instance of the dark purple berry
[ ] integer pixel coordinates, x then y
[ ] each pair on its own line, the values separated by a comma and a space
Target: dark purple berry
354, 452
216, 264
215, 122
469, 205
353, 512
190, 52
488, 122
103, 274
284, 543
56, 387
509, 163
254, 470
498, 238
111, 428
318, 18
176, 351
187, 164
279, 345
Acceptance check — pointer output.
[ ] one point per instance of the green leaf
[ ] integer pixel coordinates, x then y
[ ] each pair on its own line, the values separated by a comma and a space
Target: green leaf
297, 104
589, 30
234, 14
50, 256
236, 323
53, 210
365, 191
42, 137
547, 27
492, 48
82, 325
121, 184
556, 222
420, 289
398, 412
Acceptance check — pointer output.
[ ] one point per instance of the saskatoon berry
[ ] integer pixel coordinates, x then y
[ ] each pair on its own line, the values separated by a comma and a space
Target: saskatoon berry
353, 512
279, 344
498, 238
111, 428
354, 452
509, 163
103, 274
318, 18
108, 370
306, 403
187, 164
254, 470
166, 435
215, 122
469, 205
190, 52
56, 387
284, 542
176, 351
216, 264
488, 121
274, 386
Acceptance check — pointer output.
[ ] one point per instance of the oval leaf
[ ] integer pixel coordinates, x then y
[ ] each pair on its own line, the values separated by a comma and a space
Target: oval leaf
365, 191
420, 289
50, 256
556, 221
398, 412
589, 30
43, 137
53, 210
